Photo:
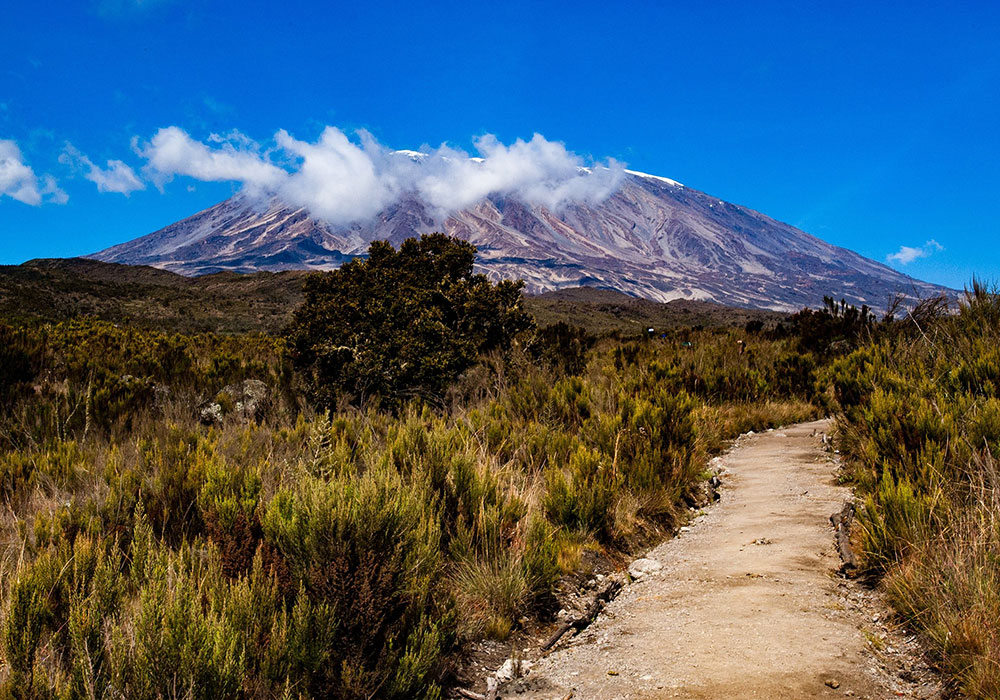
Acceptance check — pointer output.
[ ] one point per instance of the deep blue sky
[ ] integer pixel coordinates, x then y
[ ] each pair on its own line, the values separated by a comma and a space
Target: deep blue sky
873, 125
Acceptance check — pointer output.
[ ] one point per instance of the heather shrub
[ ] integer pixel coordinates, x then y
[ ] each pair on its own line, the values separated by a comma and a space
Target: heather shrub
950, 583
228, 506
347, 553
28, 614
368, 548
836, 327
19, 360
919, 423
173, 466
176, 640
579, 497
562, 347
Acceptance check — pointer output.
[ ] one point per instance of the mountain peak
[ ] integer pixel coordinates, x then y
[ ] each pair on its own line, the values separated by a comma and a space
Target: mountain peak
652, 238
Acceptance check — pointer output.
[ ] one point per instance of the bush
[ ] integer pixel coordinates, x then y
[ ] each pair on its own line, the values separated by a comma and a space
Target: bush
580, 497
367, 548
401, 323
174, 642
228, 503
18, 356
562, 347
833, 329
918, 421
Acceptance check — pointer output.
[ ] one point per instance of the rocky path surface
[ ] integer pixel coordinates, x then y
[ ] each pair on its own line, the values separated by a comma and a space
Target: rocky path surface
746, 603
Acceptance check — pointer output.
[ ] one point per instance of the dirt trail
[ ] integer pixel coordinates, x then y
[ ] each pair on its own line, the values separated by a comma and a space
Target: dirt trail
746, 604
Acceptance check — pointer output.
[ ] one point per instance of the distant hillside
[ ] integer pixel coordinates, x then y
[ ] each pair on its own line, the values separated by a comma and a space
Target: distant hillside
604, 311
226, 302
229, 302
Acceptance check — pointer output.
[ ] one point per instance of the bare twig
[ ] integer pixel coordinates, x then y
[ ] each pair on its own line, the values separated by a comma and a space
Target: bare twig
592, 611
469, 694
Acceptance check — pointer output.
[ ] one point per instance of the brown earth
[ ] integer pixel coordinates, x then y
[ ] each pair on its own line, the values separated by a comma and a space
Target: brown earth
748, 602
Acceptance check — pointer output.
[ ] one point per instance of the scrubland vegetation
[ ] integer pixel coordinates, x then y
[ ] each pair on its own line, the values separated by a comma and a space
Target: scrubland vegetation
920, 425
64, 289
427, 464
333, 547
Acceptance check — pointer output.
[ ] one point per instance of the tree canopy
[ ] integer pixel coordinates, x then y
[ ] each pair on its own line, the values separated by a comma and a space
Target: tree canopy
401, 323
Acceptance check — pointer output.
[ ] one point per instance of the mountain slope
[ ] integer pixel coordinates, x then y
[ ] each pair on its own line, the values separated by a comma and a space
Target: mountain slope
653, 238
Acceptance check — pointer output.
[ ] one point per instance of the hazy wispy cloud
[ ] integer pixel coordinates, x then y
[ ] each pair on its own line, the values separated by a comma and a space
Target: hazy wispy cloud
116, 177
217, 107
907, 254
119, 8
342, 180
18, 180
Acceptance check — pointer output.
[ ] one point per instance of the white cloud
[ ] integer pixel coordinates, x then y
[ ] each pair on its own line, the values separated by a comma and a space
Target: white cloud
907, 254
172, 152
50, 189
18, 181
540, 171
337, 180
343, 181
117, 177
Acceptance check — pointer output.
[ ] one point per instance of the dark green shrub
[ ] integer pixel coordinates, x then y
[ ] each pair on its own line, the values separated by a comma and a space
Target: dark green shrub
579, 497
27, 616
562, 347
19, 358
401, 323
176, 643
173, 467
835, 328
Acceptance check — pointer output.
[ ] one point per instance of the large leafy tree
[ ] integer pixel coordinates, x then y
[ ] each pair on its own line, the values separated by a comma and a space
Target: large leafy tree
401, 323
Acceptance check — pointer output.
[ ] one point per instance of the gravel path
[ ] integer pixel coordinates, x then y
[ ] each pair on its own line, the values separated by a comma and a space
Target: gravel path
747, 603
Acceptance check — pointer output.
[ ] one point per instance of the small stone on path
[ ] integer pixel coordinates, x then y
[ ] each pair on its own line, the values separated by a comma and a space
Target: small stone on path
642, 567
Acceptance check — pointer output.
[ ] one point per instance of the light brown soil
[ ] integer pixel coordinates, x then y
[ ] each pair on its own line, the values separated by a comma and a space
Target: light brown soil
748, 603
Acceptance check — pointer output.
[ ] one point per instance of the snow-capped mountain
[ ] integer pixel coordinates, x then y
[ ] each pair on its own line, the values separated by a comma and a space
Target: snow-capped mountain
653, 238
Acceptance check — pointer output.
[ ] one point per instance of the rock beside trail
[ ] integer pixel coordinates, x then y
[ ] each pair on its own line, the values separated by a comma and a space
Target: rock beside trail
512, 669
705, 492
644, 567
243, 400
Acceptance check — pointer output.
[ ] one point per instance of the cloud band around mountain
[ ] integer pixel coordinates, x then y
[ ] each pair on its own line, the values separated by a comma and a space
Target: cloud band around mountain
342, 181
